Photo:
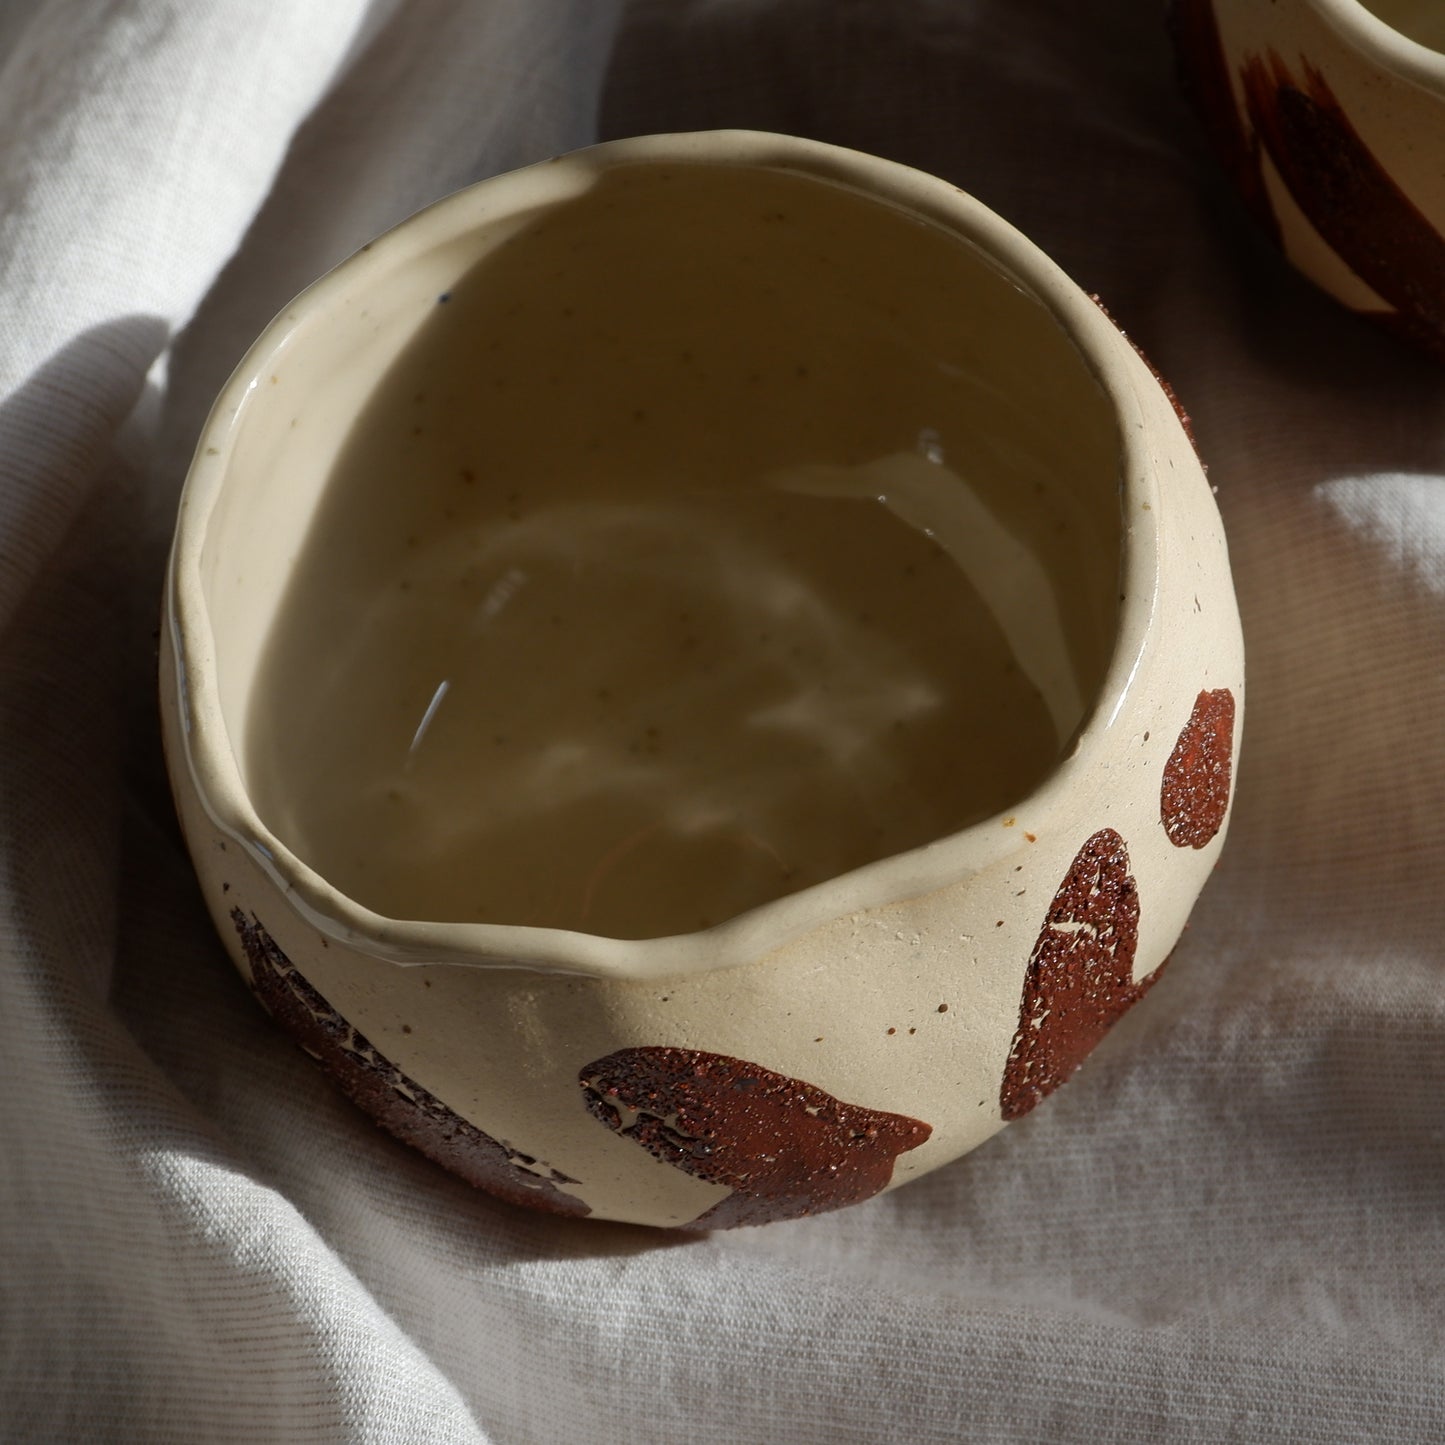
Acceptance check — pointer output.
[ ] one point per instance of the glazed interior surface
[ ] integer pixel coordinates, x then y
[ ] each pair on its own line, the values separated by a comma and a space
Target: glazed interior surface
718, 531
1422, 21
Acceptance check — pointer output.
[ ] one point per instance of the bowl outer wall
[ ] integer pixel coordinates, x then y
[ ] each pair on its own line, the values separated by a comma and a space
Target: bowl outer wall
848, 997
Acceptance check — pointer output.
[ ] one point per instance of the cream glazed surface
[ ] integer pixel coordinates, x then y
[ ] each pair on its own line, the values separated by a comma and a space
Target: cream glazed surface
881, 942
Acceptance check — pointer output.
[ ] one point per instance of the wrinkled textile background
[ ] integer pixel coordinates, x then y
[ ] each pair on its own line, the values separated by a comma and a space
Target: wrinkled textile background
1228, 1228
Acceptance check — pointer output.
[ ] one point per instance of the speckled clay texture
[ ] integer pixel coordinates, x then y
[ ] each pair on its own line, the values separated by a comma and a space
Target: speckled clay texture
822, 1048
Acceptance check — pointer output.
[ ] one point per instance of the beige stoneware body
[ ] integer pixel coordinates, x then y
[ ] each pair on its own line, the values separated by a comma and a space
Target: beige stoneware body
842, 1033
1329, 116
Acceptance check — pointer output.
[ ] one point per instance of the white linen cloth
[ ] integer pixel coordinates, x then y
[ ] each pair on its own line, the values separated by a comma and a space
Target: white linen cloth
1230, 1226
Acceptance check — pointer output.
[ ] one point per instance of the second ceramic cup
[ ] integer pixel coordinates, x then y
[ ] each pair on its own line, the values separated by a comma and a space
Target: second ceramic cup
1330, 118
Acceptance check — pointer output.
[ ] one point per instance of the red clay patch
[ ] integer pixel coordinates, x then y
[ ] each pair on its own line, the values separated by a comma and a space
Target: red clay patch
785, 1148
399, 1104
1080, 978
1194, 796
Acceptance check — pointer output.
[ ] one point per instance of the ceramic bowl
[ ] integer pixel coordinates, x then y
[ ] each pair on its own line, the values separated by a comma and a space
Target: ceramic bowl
998, 796
1329, 117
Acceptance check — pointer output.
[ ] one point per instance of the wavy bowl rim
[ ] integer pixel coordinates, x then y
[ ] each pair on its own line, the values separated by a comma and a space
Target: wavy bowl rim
209, 756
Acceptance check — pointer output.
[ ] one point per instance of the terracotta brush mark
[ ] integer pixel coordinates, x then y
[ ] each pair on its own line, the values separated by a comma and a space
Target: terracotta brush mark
1348, 196
1194, 794
1080, 976
785, 1148
398, 1103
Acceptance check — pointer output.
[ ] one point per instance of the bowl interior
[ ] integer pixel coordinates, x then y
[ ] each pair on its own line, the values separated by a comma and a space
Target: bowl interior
625, 559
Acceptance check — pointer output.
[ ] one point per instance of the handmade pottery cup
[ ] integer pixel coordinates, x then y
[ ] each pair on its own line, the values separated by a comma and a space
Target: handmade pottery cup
1329, 117
701, 678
